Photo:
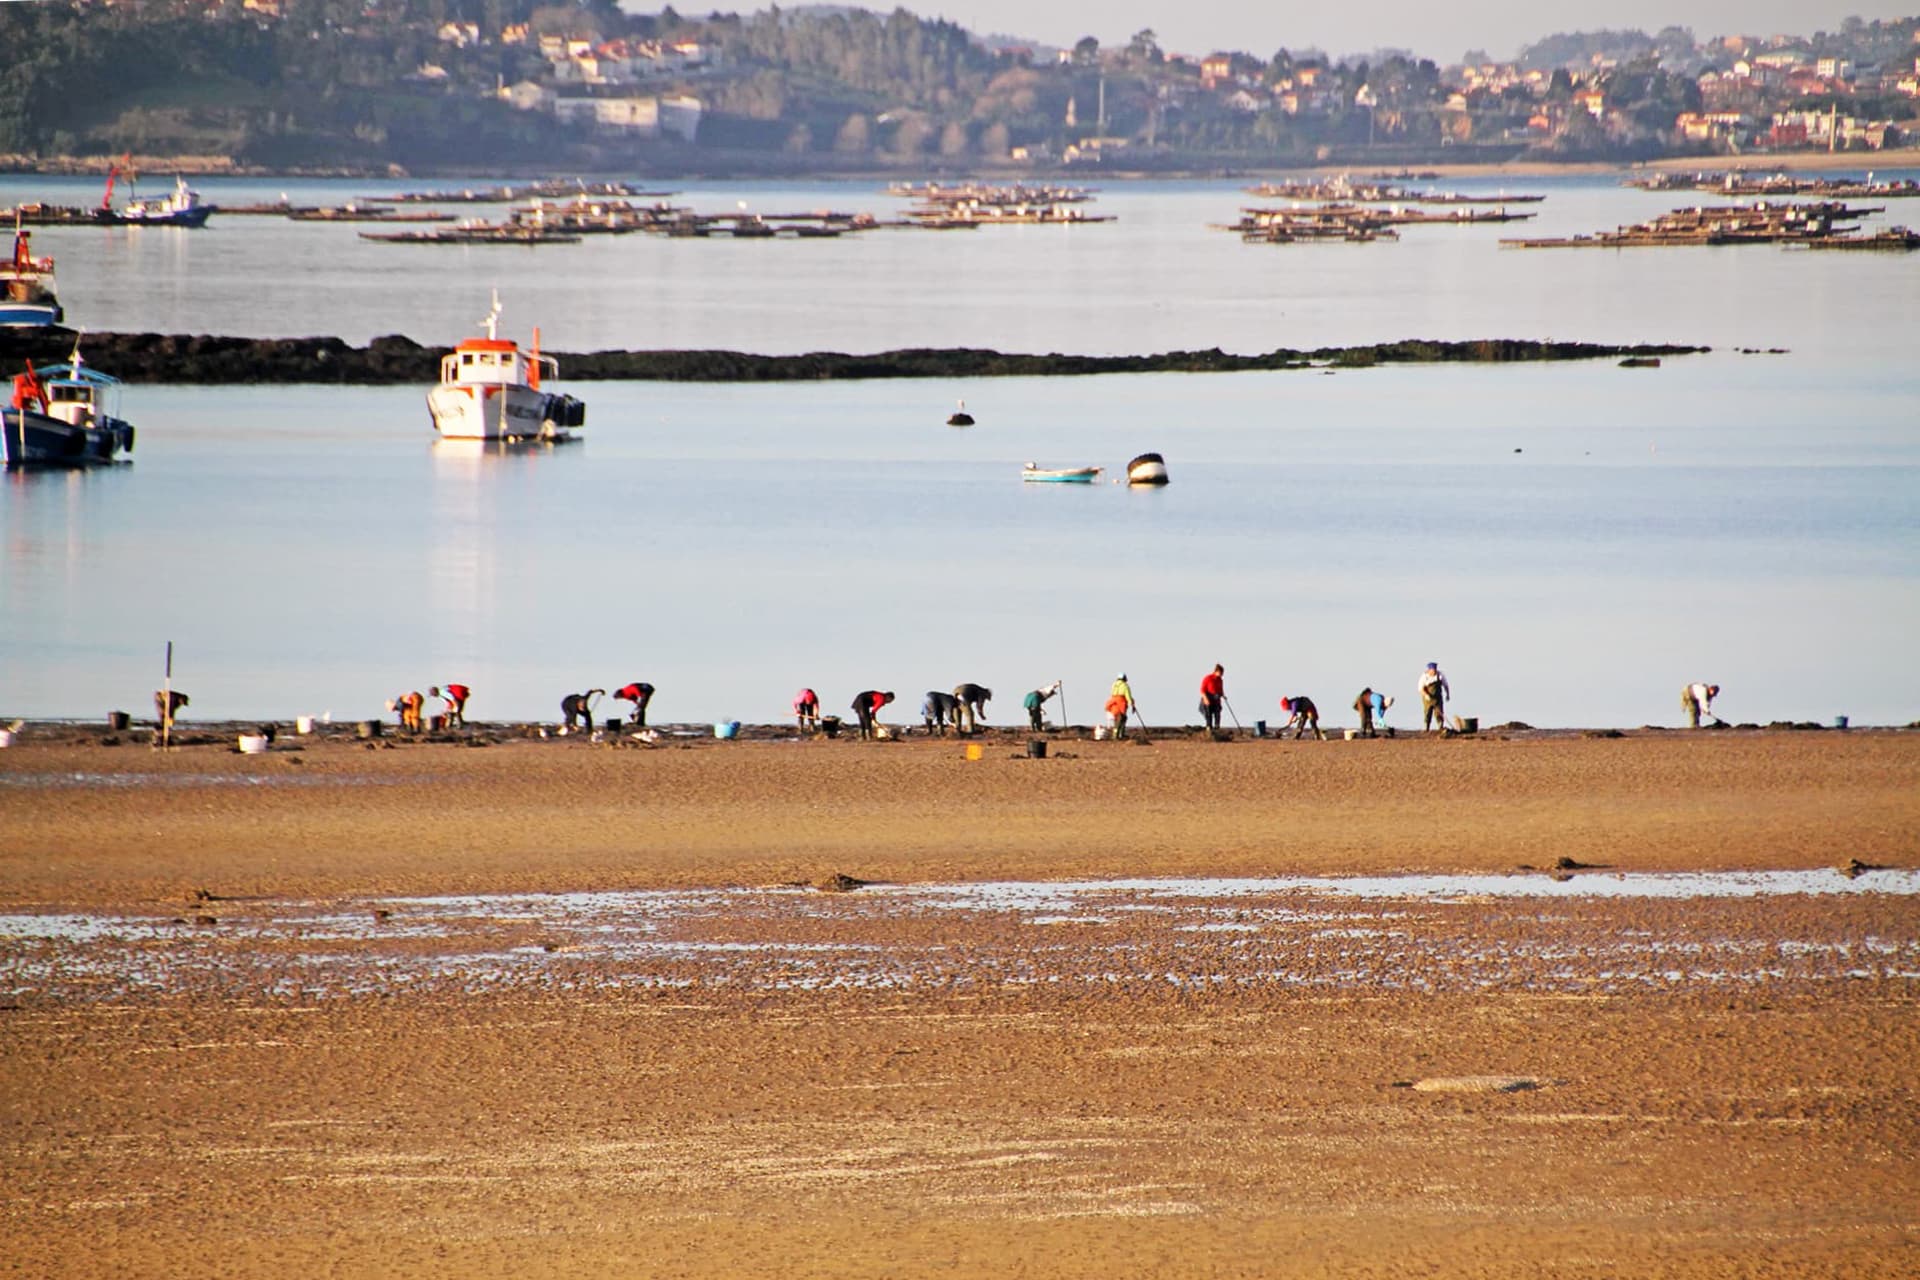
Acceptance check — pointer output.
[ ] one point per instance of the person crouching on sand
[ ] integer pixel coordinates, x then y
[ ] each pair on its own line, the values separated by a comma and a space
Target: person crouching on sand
1696, 699
806, 709
866, 705
410, 705
973, 700
1364, 705
1034, 702
639, 693
579, 706
939, 710
456, 699
166, 706
1303, 715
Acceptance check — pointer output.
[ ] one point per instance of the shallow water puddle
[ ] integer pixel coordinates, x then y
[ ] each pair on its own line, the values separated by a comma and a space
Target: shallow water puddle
1595, 931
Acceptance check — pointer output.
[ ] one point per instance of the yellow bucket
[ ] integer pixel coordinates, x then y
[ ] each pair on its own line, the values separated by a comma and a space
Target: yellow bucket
975, 751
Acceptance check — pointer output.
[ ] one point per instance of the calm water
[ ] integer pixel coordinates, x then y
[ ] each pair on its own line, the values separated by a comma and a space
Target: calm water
1744, 519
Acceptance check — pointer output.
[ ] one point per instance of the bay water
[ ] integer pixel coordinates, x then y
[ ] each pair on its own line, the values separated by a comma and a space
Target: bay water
1572, 543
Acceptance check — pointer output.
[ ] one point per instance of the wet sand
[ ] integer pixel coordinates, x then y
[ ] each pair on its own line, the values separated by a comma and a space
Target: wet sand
1701, 1086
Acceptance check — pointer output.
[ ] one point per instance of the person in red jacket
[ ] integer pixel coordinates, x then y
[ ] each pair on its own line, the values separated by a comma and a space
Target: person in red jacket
806, 709
455, 697
1213, 692
639, 693
866, 705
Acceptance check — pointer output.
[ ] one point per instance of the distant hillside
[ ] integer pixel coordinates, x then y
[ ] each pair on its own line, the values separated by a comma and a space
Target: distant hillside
513, 85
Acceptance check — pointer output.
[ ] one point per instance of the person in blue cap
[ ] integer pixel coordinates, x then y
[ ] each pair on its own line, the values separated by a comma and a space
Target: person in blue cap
1434, 692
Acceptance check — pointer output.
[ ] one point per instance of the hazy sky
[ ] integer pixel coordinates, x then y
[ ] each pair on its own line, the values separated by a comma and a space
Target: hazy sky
1433, 30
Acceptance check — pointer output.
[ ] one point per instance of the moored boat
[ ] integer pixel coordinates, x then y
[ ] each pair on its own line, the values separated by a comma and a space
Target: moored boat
26, 287
490, 390
64, 416
183, 208
1034, 474
1148, 468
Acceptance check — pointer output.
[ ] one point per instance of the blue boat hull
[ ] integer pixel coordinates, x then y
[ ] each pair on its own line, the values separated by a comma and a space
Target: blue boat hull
30, 315
30, 439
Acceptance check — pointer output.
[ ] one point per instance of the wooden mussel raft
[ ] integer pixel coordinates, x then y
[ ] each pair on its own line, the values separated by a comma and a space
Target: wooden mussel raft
1737, 183
1760, 223
1344, 190
1885, 240
969, 205
1350, 222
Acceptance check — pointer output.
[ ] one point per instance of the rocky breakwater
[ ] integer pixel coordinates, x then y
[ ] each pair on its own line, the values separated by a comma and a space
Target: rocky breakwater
212, 360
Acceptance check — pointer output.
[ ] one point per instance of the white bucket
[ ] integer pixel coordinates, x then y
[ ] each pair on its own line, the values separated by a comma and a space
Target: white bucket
6, 737
253, 744
1099, 733
303, 724
1352, 734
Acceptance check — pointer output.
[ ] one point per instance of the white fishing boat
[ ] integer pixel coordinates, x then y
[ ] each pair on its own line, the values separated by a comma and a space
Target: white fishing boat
1148, 468
26, 287
64, 416
1033, 474
491, 390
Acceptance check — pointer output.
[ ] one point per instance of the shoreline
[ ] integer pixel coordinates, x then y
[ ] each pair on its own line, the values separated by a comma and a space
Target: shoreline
204, 166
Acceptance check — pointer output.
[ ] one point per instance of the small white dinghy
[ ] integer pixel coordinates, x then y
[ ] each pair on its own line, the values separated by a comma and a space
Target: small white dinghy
1033, 474
1148, 468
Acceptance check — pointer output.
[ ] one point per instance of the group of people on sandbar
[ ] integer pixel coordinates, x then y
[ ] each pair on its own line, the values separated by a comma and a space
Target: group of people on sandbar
963, 710
1303, 714
410, 708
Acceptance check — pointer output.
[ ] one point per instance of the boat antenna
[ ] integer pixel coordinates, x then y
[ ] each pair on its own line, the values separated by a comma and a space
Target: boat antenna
74, 360
493, 317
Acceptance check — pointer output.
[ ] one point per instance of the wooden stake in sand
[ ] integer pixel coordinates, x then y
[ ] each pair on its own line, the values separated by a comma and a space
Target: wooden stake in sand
166, 704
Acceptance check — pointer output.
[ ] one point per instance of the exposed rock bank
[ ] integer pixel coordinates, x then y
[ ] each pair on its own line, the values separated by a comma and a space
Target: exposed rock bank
212, 361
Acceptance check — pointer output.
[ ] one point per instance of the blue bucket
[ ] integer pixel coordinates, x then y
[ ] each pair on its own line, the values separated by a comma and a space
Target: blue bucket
726, 730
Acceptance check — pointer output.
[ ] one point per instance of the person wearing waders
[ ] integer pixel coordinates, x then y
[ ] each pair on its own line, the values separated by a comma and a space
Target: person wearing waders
806, 709
973, 700
1120, 704
1364, 705
1035, 701
1213, 692
866, 705
1696, 699
639, 693
1434, 692
579, 706
1302, 715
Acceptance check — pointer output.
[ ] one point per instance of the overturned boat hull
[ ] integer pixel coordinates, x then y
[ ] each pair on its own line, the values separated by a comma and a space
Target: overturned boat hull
1147, 469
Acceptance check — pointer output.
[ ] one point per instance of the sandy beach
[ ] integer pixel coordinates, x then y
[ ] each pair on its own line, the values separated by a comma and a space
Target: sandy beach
550, 1007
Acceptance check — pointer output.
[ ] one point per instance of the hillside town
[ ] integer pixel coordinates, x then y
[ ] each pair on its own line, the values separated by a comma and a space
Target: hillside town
410, 83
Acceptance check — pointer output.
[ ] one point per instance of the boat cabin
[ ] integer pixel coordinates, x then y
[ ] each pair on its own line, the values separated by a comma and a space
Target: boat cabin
80, 397
495, 362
